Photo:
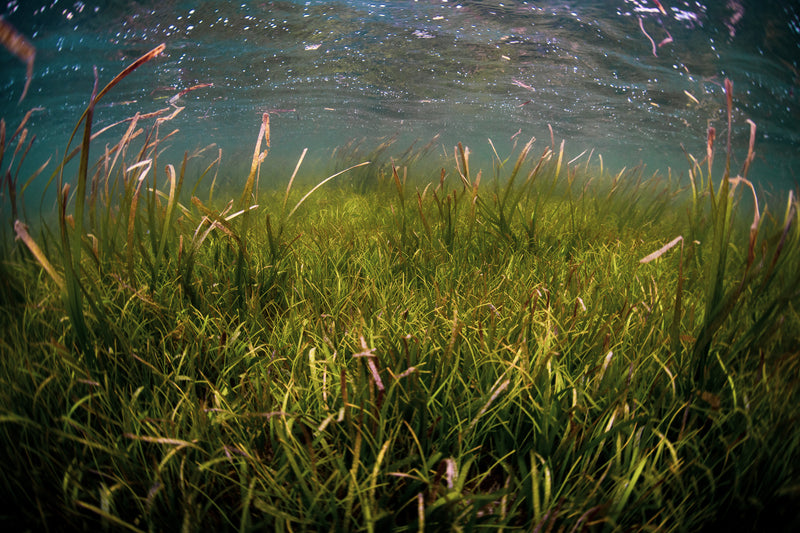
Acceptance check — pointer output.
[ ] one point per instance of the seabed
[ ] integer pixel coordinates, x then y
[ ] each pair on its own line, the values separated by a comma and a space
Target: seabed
532, 344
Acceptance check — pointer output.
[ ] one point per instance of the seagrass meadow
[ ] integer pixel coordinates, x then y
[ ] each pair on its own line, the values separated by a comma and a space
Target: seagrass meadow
412, 343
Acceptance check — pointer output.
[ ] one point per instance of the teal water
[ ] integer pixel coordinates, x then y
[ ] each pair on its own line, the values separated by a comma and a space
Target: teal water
330, 71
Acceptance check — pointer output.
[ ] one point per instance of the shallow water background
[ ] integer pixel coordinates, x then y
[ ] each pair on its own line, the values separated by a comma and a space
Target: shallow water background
330, 71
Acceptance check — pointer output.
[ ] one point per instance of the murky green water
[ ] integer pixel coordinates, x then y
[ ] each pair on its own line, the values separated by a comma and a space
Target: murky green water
328, 71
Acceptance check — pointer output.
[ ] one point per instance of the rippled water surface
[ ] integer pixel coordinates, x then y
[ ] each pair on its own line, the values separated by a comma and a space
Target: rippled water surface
631, 79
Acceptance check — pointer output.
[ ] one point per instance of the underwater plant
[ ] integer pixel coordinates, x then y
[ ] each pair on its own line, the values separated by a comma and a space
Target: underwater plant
551, 346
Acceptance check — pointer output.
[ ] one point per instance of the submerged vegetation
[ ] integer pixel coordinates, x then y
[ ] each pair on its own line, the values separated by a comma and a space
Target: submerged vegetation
539, 345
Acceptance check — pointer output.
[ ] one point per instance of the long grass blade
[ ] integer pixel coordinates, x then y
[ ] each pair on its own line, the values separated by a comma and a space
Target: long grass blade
320, 184
24, 236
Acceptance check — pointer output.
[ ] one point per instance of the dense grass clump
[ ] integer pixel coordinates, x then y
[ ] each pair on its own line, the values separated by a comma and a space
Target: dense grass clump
537, 345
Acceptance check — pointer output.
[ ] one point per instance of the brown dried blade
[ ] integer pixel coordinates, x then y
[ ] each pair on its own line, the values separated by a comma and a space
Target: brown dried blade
20, 46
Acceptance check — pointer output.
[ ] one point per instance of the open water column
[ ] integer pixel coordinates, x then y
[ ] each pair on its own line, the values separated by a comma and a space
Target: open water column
632, 79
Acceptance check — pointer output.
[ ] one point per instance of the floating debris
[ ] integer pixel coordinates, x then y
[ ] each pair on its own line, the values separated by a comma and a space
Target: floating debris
175, 98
